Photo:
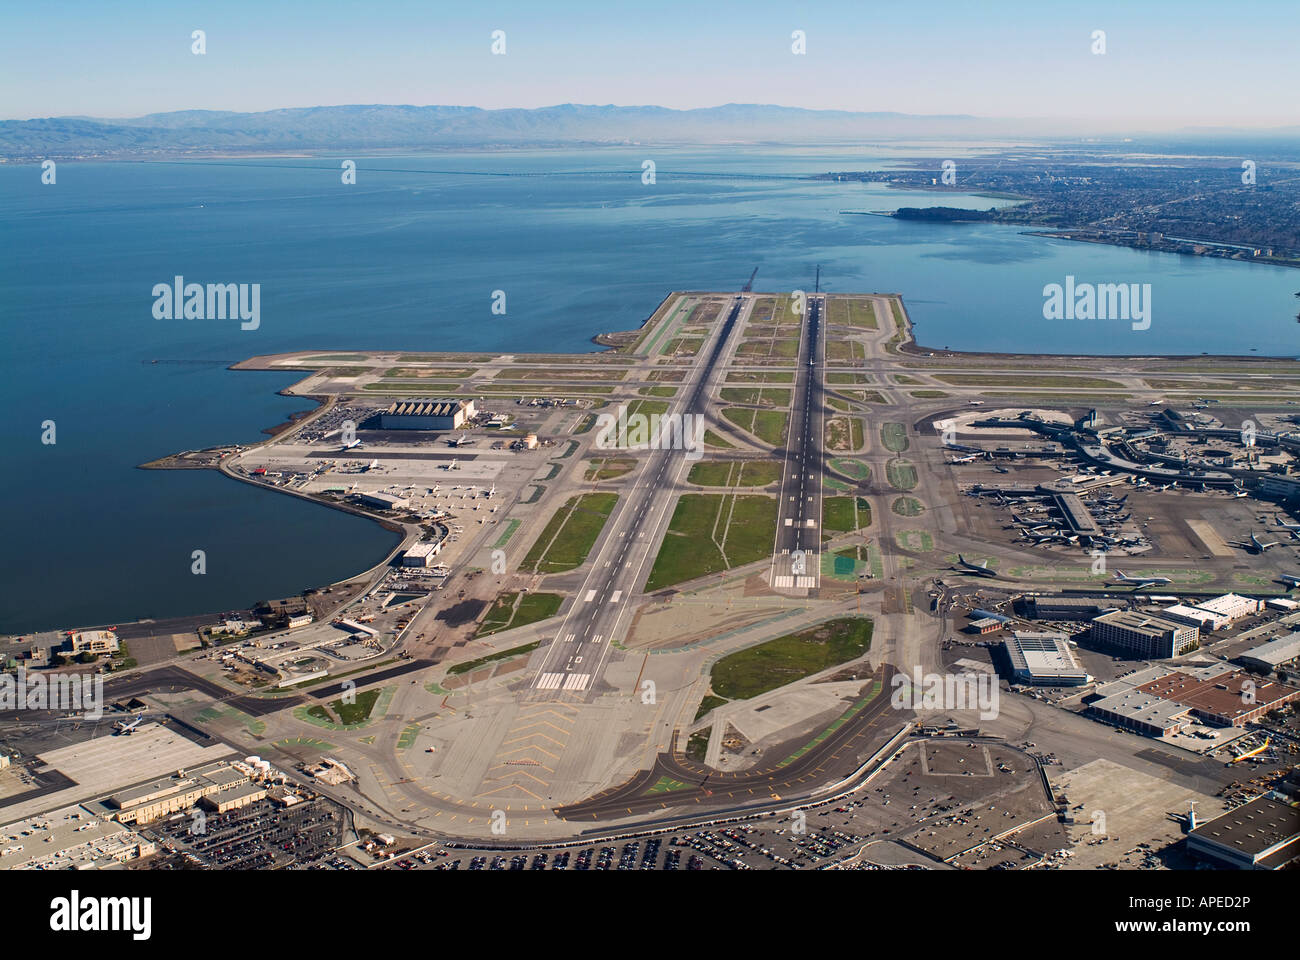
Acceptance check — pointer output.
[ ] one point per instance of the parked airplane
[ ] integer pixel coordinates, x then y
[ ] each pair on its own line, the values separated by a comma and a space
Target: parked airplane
459, 441
1254, 544
967, 459
1293, 527
350, 444
125, 729
980, 569
1140, 582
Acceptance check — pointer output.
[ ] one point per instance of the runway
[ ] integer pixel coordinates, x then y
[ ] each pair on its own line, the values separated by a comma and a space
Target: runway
574, 660
795, 555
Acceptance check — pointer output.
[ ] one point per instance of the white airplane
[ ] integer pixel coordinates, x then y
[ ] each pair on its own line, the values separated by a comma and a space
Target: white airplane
1140, 582
980, 569
350, 444
1293, 527
126, 729
459, 441
1254, 544
492, 492
967, 459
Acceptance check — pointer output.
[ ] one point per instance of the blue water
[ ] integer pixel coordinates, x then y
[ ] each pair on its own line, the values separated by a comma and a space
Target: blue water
407, 259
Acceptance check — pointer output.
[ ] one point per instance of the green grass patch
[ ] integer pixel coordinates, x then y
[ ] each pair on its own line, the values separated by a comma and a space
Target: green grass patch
712, 532
844, 433
711, 439
901, 474
470, 665
570, 533
736, 473
607, 468
915, 540
748, 673
512, 610
506, 534
710, 701
907, 507
768, 425
839, 514
854, 469
359, 710
894, 437
697, 747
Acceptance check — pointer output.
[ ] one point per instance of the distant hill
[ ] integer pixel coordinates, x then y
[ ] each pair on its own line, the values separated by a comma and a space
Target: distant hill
385, 127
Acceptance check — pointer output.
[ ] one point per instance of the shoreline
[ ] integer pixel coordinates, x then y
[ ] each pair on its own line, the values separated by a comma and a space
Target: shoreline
907, 347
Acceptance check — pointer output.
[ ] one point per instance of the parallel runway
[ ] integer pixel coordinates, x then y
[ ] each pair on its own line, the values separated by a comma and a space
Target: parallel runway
784, 778
575, 658
795, 556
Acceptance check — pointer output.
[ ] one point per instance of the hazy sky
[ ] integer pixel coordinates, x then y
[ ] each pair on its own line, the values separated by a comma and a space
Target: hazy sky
1167, 64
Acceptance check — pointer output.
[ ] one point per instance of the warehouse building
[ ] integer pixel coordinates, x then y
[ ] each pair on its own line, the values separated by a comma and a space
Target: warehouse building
1144, 636
1269, 656
422, 554
1231, 699
1064, 608
1232, 606
1205, 620
1142, 712
382, 501
1044, 659
1263, 834
168, 795
444, 414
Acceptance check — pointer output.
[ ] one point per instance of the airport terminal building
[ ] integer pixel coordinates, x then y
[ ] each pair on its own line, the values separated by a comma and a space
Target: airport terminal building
1044, 659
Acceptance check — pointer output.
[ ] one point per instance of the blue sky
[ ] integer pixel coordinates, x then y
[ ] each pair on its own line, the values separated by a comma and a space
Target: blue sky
1167, 65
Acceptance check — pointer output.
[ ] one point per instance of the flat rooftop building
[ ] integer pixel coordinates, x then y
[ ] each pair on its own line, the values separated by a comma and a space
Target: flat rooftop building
1269, 656
1143, 635
93, 641
1142, 712
1263, 834
1205, 620
1044, 658
422, 554
1232, 606
382, 501
1230, 699
1064, 608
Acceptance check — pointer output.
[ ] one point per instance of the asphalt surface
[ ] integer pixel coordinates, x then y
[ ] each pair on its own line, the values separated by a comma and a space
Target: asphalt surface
795, 564
573, 662
782, 777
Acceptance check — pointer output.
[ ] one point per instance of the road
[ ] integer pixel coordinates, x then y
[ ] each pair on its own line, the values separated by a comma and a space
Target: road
791, 776
795, 557
574, 660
